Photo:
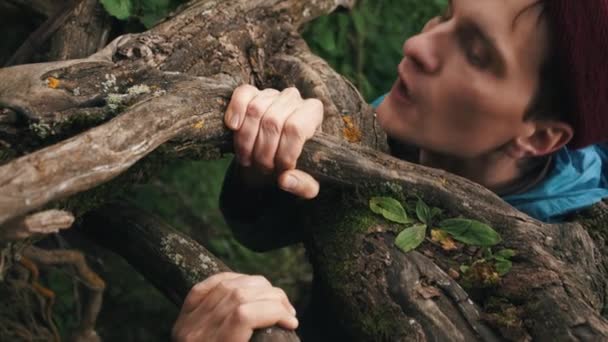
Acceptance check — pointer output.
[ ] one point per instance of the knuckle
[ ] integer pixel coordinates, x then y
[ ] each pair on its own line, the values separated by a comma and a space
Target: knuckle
271, 125
256, 109
199, 286
245, 88
270, 91
260, 279
281, 292
224, 286
239, 295
317, 106
291, 92
240, 315
241, 93
294, 131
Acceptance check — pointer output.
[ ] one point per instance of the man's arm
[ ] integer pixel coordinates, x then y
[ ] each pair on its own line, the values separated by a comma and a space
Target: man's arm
261, 217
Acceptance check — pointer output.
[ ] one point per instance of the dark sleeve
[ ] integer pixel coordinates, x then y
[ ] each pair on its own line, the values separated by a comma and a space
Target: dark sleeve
260, 218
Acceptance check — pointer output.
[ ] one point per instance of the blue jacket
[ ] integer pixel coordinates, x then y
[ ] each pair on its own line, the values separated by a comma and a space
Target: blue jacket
577, 179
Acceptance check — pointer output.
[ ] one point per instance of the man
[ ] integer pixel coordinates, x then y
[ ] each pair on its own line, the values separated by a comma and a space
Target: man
492, 90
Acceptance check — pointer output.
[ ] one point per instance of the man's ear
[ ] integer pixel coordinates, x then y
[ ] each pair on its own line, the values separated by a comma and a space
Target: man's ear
546, 137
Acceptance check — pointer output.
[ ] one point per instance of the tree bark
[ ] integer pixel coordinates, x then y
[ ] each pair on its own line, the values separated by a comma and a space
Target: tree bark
162, 94
171, 261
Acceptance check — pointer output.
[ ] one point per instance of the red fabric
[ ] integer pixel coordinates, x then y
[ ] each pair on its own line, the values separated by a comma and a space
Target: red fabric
581, 30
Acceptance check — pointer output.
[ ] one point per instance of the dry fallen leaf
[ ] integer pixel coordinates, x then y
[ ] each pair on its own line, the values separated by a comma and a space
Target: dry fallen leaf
453, 274
443, 238
428, 292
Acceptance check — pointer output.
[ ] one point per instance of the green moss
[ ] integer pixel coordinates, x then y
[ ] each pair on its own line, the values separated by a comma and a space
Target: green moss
84, 118
338, 247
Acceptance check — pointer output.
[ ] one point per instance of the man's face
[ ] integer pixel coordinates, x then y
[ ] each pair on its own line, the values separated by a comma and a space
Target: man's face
467, 79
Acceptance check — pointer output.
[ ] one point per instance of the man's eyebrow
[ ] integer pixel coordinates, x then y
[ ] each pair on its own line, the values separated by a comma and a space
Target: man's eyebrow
490, 43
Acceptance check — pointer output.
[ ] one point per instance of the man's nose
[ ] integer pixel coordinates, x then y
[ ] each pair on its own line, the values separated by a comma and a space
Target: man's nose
422, 51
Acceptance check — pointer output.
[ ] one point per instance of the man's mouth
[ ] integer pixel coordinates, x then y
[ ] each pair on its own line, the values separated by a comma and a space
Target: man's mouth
402, 90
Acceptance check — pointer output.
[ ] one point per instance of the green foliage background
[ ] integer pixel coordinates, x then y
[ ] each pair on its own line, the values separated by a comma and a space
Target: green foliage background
364, 45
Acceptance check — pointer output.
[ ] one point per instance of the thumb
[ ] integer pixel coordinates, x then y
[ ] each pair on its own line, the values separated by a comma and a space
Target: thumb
299, 183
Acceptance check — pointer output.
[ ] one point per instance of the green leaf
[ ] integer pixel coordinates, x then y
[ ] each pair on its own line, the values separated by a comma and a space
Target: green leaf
121, 9
423, 212
503, 266
390, 208
505, 254
464, 268
471, 232
410, 238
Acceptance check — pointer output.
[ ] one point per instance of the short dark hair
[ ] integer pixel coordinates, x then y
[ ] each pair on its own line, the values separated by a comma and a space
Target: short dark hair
553, 97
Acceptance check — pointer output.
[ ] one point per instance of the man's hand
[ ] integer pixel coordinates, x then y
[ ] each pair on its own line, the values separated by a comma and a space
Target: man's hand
227, 307
270, 129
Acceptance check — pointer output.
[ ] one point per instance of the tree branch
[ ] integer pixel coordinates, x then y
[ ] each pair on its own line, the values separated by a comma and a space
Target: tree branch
171, 261
38, 37
171, 85
86, 32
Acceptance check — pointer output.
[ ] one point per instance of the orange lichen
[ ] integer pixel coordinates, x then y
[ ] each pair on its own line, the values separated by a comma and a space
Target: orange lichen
351, 131
199, 125
52, 82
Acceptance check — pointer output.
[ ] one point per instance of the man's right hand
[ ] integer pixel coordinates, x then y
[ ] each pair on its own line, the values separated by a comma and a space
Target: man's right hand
228, 307
270, 129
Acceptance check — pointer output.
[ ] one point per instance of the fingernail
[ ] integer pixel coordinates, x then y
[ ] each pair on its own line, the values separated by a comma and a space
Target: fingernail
290, 183
293, 311
234, 120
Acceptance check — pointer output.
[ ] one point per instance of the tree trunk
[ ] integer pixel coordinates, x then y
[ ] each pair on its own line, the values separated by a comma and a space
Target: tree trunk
71, 126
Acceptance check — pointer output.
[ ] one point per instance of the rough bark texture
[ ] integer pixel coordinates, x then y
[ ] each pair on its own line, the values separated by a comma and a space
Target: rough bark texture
70, 126
172, 261
85, 32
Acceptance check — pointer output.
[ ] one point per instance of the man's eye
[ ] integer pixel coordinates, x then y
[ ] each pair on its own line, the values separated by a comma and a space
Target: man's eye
477, 56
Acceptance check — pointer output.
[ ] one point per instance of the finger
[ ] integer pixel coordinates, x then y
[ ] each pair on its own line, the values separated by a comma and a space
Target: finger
299, 127
235, 113
299, 183
228, 304
200, 290
244, 138
226, 287
241, 296
271, 127
240, 324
